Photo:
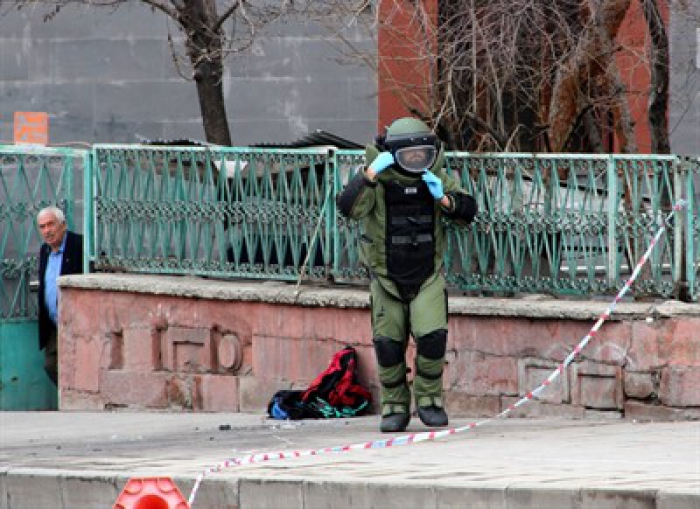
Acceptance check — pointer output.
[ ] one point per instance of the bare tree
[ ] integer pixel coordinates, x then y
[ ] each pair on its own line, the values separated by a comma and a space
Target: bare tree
522, 75
211, 30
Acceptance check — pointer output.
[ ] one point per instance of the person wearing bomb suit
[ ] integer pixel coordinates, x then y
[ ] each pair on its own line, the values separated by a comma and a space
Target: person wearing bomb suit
401, 197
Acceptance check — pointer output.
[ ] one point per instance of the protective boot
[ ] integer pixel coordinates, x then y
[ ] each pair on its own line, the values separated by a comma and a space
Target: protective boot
395, 395
427, 384
433, 416
394, 423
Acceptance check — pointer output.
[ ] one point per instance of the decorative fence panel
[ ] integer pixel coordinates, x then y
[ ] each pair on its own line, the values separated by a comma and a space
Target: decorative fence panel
226, 212
564, 224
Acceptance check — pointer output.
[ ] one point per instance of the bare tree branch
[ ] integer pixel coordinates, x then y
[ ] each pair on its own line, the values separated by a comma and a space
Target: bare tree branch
162, 7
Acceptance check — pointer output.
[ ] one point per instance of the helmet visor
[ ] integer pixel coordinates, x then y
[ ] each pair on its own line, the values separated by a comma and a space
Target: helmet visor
416, 159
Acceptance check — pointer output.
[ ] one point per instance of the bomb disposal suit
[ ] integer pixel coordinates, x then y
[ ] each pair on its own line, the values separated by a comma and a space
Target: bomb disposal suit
401, 198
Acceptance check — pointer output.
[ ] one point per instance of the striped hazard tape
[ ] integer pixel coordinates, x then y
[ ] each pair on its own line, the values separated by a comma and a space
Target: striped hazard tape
437, 434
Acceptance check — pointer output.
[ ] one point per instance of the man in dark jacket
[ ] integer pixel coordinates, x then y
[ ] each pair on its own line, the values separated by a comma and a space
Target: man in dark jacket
61, 254
402, 198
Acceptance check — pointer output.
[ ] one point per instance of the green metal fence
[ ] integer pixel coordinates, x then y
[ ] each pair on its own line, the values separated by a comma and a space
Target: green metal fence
30, 178
225, 212
564, 224
558, 223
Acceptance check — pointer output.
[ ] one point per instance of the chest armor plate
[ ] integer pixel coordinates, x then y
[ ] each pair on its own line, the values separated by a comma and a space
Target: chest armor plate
410, 235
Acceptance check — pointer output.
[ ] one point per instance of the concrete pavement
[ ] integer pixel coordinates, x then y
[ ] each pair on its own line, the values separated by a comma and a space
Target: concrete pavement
83, 459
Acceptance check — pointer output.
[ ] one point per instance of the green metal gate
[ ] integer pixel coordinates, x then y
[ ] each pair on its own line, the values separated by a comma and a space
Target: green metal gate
31, 178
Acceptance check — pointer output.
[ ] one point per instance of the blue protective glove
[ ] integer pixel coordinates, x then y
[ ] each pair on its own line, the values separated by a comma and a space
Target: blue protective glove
434, 185
382, 162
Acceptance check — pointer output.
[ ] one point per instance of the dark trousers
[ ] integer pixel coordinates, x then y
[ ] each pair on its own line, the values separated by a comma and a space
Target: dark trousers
51, 356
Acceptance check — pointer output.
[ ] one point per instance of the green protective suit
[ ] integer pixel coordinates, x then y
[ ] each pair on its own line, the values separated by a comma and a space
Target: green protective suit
395, 316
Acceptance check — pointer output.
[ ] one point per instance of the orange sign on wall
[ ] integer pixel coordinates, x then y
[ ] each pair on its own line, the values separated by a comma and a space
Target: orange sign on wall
31, 128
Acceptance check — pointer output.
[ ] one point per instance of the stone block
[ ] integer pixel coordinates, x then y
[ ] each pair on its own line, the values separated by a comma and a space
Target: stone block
126, 98
91, 490
617, 498
218, 393
517, 336
291, 358
14, 60
3, 488
639, 385
333, 495
645, 352
477, 373
524, 496
391, 496
134, 389
183, 392
481, 497
535, 408
213, 492
255, 393
187, 350
681, 345
680, 386
671, 499
270, 494
30, 490
76, 400
88, 355
532, 372
610, 345
468, 405
639, 411
596, 386
112, 60
141, 349
602, 415
664, 342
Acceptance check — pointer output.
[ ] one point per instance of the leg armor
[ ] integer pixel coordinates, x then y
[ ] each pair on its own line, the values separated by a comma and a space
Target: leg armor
430, 358
395, 395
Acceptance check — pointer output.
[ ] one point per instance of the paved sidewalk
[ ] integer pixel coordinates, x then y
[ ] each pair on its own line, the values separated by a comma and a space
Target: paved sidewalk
81, 459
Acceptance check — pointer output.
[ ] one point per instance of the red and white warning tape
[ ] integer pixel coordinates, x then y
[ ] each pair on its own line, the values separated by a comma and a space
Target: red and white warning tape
433, 435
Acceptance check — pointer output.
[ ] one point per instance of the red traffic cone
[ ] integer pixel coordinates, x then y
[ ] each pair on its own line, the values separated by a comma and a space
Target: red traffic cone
151, 493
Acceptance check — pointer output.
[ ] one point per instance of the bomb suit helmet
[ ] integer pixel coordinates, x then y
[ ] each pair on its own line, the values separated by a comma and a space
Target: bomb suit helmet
412, 143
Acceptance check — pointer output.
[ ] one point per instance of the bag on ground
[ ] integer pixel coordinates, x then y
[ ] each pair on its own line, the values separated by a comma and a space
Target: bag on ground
333, 393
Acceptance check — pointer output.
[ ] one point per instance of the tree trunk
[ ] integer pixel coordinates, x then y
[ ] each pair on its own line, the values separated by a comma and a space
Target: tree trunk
205, 50
211, 102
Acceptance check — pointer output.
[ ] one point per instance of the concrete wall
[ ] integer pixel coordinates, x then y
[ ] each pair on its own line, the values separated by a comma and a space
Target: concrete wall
107, 75
684, 119
168, 342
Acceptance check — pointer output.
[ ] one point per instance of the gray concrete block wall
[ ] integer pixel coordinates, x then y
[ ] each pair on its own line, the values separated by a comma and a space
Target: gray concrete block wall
108, 76
684, 117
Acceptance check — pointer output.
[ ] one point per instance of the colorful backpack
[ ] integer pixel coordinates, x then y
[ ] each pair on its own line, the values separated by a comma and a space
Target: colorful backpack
333, 393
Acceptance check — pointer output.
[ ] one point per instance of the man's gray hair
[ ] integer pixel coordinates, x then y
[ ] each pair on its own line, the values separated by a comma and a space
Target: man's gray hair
55, 211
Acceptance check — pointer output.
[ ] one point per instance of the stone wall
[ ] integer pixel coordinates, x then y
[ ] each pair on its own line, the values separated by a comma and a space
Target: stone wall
204, 345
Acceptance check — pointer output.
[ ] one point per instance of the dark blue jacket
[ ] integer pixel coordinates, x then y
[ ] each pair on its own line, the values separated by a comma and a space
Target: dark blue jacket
72, 264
